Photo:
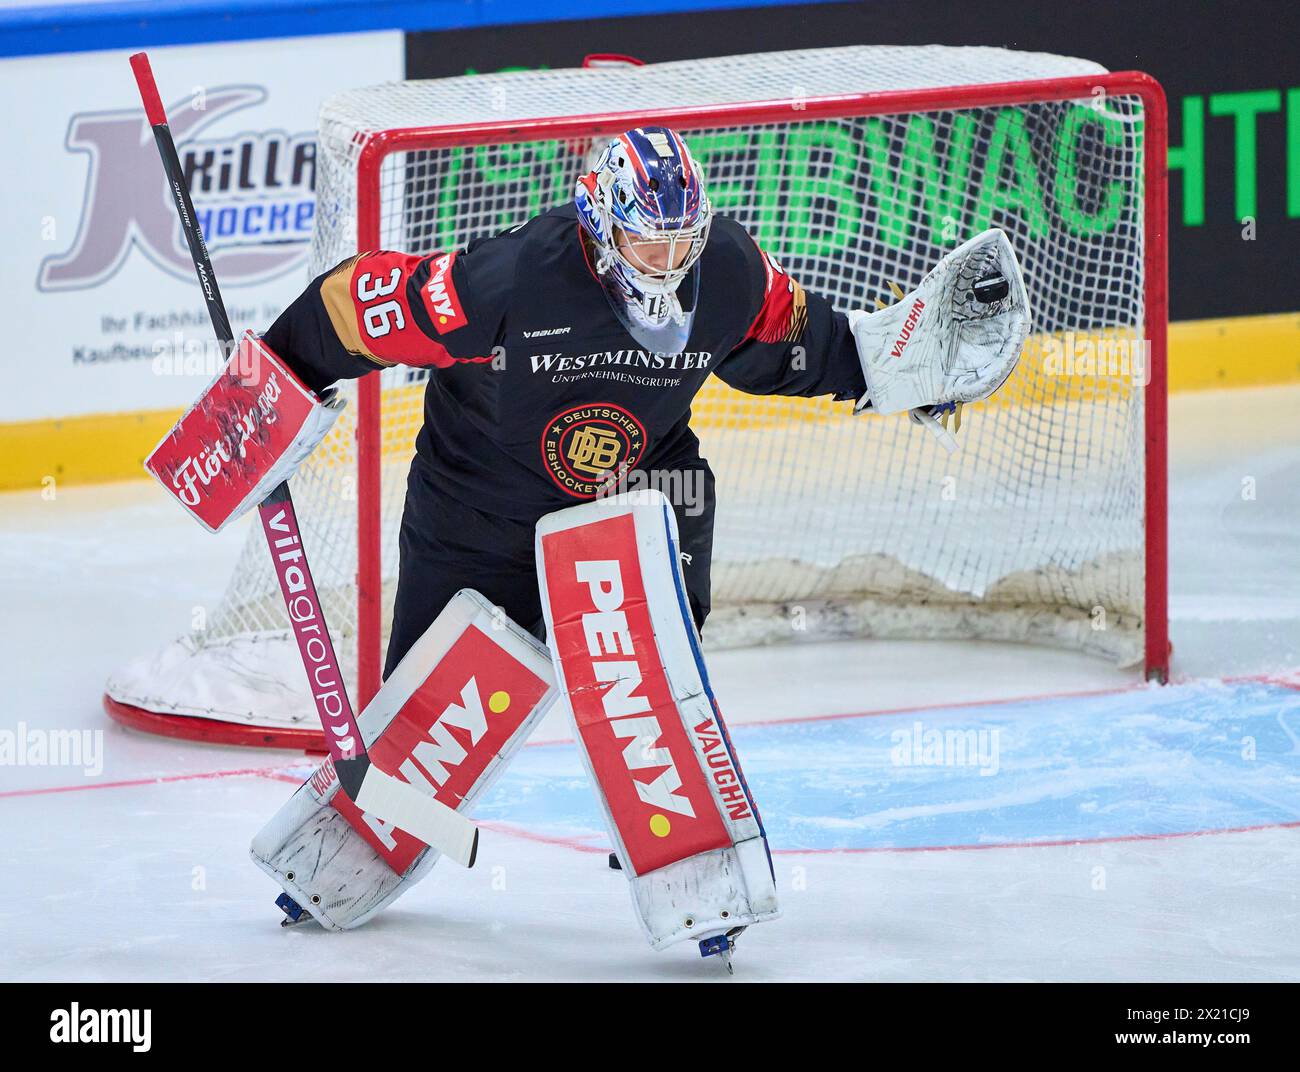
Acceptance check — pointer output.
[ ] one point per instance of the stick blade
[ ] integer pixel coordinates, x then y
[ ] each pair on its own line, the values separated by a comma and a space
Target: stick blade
438, 826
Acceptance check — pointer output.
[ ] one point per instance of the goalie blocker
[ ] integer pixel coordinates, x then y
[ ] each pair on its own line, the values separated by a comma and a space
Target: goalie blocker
254, 424
627, 655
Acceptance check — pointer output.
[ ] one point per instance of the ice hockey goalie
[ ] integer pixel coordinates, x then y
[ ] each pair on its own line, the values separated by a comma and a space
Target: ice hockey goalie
564, 357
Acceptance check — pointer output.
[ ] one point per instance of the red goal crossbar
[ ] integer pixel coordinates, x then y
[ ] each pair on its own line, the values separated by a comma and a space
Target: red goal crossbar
1155, 146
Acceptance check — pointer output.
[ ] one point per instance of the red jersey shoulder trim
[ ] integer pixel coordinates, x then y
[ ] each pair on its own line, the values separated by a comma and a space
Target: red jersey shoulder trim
784, 313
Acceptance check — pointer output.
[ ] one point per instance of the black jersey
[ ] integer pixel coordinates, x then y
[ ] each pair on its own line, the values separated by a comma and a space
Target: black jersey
537, 390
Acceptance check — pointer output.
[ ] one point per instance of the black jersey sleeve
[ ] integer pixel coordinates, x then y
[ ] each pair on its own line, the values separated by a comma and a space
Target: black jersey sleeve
380, 309
796, 343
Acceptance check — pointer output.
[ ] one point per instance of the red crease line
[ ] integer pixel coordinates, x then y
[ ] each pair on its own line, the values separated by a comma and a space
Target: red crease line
261, 772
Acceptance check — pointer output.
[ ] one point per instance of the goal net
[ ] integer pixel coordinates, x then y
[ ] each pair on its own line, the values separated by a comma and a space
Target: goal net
856, 167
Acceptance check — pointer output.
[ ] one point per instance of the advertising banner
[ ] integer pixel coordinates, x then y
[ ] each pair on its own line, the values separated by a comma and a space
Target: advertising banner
1233, 85
96, 286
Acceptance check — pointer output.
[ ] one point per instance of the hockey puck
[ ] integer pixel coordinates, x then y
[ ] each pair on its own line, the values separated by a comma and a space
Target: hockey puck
614, 865
991, 288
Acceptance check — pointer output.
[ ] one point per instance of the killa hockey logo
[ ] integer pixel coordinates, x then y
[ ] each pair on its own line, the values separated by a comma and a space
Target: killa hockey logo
253, 193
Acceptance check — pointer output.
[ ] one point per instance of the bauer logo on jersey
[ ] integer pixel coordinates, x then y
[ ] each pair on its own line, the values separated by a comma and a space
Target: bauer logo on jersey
585, 447
622, 701
440, 296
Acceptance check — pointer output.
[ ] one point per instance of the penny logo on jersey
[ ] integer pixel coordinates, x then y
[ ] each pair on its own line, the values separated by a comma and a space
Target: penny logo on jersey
254, 195
440, 297
586, 447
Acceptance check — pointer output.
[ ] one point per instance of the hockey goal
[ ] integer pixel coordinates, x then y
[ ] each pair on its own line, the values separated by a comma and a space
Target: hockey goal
857, 167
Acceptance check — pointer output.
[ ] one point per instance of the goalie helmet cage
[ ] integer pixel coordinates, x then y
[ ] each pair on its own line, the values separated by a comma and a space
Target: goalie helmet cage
856, 167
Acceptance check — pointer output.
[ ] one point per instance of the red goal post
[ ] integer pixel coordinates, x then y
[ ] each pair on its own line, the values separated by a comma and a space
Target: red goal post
382, 144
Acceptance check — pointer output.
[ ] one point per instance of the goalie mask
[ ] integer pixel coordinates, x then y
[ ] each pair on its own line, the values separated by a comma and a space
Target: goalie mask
644, 209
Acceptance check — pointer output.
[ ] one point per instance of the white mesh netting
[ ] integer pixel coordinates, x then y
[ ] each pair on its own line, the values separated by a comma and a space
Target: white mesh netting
827, 524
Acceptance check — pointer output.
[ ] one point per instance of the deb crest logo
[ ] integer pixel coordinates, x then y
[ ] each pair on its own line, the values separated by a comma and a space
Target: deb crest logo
622, 701
253, 192
585, 447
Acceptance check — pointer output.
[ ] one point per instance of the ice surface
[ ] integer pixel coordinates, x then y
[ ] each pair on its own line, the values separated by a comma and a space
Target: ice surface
1129, 832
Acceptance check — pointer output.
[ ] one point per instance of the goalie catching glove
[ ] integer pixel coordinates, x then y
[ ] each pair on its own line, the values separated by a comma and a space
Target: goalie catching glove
954, 339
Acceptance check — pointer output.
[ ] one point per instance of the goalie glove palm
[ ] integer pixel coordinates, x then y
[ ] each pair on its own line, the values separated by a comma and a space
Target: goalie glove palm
955, 338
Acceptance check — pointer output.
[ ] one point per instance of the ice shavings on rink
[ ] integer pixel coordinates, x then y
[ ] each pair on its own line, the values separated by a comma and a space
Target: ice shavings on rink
1146, 763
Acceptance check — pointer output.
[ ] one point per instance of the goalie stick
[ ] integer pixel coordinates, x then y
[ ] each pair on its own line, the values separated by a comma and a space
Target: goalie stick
371, 789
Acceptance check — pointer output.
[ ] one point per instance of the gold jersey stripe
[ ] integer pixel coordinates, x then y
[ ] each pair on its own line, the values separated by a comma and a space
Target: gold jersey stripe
336, 294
